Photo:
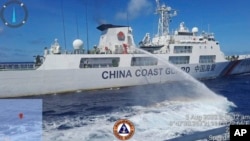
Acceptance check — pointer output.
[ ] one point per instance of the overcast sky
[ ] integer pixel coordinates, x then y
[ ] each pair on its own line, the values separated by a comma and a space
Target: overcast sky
228, 20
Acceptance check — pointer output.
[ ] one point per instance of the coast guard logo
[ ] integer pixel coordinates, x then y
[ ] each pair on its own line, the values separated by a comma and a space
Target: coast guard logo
120, 36
124, 129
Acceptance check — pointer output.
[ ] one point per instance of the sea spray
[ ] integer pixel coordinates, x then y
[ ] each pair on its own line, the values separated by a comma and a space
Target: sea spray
198, 89
184, 99
155, 116
158, 111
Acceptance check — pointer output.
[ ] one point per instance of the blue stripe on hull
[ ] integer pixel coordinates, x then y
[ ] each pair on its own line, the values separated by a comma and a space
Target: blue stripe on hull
229, 68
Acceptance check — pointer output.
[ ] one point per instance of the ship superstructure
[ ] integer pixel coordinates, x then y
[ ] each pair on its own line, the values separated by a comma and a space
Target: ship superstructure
183, 46
117, 62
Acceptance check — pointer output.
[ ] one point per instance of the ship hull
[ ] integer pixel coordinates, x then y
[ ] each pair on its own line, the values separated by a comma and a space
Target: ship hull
38, 82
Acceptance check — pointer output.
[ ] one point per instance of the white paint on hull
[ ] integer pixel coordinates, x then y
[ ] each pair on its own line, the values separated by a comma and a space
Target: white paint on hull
37, 82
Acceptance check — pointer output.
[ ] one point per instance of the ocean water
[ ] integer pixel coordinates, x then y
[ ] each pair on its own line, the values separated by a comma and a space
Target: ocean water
21, 120
159, 111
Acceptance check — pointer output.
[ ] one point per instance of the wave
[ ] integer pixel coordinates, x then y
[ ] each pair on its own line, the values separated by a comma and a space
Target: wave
164, 112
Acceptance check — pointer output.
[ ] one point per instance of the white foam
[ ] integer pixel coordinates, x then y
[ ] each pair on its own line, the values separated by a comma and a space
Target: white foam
151, 122
27, 132
159, 121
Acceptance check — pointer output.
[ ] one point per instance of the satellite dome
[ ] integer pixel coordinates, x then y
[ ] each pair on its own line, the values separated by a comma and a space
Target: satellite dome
77, 44
195, 29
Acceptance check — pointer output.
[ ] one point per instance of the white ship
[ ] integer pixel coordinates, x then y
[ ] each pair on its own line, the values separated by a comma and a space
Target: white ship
116, 62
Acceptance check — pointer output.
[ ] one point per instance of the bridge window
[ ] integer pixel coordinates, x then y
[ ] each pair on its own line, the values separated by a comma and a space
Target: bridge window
99, 62
183, 49
179, 59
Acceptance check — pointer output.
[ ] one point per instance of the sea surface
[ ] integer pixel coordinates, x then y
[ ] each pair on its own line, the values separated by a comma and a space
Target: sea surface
21, 120
158, 111
154, 110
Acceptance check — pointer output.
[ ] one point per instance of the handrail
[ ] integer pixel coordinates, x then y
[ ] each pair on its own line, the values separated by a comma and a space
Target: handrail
16, 66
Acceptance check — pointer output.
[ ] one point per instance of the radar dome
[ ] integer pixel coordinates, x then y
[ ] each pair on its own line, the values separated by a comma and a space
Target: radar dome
169, 8
195, 29
77, 44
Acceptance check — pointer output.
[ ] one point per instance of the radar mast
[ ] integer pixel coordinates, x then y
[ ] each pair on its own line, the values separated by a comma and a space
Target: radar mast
165, 14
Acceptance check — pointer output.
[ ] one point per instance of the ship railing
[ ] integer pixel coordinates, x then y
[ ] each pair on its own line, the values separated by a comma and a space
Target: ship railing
17, 66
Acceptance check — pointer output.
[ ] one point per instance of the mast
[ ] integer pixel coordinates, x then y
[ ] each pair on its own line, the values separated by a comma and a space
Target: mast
165, 14
63, 20
87, 26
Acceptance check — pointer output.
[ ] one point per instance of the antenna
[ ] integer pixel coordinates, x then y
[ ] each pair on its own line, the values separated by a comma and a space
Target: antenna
165, 14
64, 35
128, 28
208, 28
86, 16
77, 27
127, 18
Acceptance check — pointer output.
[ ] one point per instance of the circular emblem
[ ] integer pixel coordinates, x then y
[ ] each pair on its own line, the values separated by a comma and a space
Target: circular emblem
124, 129
14, 13
121, 36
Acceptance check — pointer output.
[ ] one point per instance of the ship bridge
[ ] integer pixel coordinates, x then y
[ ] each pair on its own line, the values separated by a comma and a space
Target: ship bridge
115, 39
